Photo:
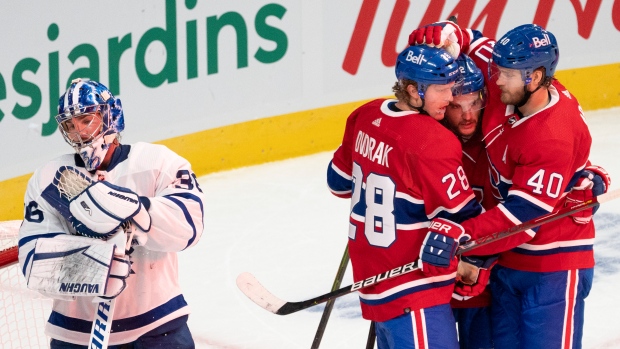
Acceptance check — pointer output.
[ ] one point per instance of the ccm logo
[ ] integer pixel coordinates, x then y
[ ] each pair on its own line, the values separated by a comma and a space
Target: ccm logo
438, 226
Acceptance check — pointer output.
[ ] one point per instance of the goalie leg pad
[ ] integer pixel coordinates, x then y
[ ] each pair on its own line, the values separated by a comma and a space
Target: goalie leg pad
67, 266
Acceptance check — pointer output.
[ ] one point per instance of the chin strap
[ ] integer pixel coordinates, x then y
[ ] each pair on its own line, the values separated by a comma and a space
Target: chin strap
419, 109
526, 96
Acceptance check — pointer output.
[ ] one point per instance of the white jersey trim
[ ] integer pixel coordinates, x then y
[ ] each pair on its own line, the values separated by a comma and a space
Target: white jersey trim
409, 198
469, 157
358, 218
385, 109
454, 209
557, 244
413, 226
514, 219
341, 172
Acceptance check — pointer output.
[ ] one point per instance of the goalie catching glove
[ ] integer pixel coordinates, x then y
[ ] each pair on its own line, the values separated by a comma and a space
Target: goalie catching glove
69, 266
101, 208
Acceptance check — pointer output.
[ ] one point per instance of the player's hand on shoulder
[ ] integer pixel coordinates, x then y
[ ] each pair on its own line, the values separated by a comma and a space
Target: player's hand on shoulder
440, 245
102, 207
593, 181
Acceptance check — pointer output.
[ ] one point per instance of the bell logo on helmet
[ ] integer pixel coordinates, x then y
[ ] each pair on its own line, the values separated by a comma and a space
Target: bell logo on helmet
541, 42
419, 59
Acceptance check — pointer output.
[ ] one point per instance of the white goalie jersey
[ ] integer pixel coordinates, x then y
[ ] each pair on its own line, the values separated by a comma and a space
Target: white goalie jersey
176, 206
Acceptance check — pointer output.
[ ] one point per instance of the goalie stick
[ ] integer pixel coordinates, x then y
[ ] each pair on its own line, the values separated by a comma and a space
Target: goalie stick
249, 285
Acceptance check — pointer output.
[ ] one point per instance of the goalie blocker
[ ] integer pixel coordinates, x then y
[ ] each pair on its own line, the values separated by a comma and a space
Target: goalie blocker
67, 266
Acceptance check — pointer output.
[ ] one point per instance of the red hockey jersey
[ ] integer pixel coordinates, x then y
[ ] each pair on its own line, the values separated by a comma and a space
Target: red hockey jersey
476, 165
401, 169
534, 161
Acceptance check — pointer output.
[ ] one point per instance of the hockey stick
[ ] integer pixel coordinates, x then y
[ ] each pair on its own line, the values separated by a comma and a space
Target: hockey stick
330, 303
248, 284
372, 336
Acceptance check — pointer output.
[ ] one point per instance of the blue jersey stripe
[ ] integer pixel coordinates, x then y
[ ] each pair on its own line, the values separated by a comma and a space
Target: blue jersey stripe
553, 250
121, 325
336, 182
188, 218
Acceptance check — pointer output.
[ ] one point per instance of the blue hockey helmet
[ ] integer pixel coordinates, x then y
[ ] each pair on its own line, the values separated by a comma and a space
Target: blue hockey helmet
527, 48
426, 66
89, 118
473, 79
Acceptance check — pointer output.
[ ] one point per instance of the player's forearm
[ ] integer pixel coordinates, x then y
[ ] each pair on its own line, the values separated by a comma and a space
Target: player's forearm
495, 220
176, 223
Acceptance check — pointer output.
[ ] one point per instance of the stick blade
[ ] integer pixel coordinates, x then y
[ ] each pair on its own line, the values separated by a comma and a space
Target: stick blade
248, 284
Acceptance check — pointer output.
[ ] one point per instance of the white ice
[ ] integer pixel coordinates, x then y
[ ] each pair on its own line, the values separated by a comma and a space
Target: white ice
279, 222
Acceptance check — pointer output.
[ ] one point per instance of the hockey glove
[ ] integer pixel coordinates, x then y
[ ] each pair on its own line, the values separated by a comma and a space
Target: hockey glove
599, 177
441, 242
445, 34
594, 181
476, 278
102, 207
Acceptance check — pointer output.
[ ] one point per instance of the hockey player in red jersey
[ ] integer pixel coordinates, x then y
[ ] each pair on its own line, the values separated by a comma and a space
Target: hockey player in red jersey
538, 146
471, 303
402, 168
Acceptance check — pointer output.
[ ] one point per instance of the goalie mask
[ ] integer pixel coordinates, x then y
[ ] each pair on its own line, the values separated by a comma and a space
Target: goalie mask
90, 119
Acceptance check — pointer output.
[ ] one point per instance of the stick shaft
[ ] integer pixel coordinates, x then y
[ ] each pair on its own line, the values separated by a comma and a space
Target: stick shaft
330, 304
